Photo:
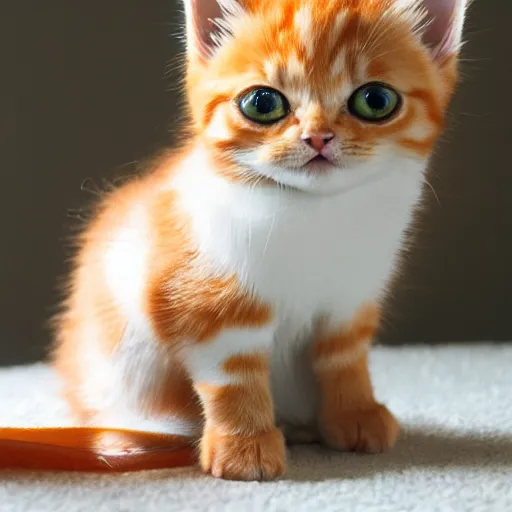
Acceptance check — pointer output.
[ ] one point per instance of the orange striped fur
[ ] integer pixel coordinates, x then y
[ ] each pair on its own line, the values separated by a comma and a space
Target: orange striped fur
196, 286
350, 418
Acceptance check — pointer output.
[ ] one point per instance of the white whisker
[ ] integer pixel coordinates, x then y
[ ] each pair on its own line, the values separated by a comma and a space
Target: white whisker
269, 234
433, 191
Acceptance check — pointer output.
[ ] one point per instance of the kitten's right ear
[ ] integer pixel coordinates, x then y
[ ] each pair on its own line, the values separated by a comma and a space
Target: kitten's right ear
445, 19
204, 25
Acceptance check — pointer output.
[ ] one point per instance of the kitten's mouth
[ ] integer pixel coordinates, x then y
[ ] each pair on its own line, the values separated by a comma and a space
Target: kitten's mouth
318, 163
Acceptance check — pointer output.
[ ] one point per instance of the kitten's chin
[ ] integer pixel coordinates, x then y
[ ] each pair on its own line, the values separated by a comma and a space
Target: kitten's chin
324, 179
328, 179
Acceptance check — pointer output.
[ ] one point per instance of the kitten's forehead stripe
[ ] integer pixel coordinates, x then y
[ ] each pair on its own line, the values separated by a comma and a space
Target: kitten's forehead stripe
339, 63
338, 24
295, 68
305, 28
361, 69
270, 68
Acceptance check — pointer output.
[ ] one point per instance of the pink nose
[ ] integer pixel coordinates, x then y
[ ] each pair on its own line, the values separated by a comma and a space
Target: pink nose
318, 142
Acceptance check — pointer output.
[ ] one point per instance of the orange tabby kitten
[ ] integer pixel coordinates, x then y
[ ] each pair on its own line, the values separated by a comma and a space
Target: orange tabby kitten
232, 294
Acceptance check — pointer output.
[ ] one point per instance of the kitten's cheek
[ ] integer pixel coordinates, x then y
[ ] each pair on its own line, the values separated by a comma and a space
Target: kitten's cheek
263, 155
219, 128
249, 159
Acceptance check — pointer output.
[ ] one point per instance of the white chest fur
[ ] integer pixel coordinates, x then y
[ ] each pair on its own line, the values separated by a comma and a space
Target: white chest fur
305, 254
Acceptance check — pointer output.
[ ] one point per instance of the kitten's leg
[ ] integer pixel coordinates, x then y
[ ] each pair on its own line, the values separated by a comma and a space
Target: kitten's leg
164, 404
349, 417
130, 384
231, 375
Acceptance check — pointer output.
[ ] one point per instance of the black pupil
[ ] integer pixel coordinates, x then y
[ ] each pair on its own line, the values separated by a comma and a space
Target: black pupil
264, 101
376, 99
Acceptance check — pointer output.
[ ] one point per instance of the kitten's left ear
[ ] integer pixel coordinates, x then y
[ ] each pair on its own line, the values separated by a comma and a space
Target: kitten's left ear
445, 19
204, 20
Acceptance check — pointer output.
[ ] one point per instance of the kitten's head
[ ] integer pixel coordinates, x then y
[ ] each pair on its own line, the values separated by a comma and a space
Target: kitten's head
320, 95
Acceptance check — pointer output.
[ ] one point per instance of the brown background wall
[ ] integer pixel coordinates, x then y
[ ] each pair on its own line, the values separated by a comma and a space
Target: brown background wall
83, 95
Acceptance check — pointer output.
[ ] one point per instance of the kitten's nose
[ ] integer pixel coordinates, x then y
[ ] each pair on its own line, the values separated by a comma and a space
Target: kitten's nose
318, 142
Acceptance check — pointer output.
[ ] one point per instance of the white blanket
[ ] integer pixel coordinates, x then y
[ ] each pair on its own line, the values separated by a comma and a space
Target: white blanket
455, 453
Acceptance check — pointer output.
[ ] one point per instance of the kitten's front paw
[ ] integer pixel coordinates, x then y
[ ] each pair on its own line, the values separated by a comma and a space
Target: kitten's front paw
260, 457
369, 430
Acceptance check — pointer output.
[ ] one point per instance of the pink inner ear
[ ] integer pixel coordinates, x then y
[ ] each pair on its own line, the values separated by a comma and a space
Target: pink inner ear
444, 32
202, 13
442, 13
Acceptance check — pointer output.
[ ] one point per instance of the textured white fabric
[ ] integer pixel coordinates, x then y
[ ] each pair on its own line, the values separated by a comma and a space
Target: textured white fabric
455, 453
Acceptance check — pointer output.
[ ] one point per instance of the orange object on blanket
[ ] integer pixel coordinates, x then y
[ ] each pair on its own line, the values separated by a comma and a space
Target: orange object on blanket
71, 449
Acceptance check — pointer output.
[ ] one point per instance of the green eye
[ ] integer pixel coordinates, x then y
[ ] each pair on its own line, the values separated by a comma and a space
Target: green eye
374, 102
264, 106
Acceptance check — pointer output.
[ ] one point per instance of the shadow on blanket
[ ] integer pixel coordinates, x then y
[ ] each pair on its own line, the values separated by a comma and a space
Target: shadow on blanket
417, 448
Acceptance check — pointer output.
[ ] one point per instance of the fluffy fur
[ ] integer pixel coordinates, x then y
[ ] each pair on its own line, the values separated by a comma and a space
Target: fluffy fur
235, 289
